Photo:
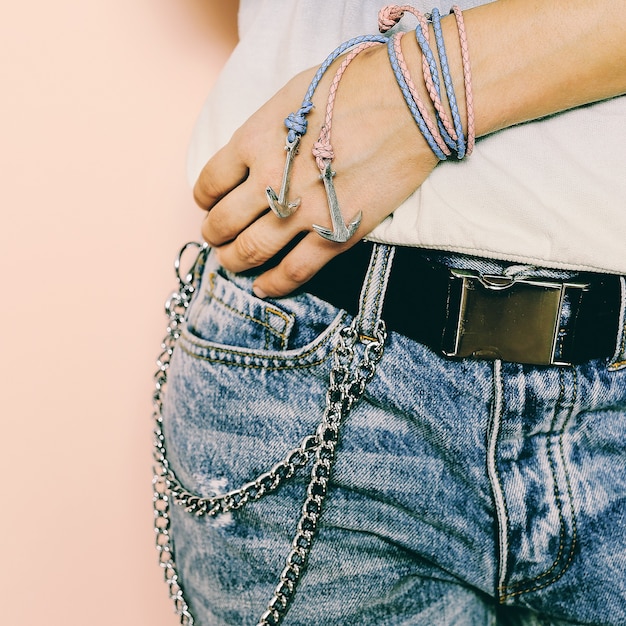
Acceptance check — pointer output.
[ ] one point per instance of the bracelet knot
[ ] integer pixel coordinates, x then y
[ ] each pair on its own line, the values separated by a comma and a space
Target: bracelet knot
296, 122
322, 148
389, 16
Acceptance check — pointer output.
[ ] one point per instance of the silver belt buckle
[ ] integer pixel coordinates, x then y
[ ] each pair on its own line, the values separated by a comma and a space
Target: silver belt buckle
509, 318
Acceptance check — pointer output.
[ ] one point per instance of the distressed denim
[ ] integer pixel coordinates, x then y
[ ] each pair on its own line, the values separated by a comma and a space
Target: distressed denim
465, 492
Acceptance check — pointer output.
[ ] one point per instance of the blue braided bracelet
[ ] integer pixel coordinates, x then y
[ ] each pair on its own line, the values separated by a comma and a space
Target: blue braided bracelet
459, 145
417, 116
434, 73
296, 122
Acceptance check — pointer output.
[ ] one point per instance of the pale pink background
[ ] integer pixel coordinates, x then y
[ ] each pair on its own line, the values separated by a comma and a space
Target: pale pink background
97, 101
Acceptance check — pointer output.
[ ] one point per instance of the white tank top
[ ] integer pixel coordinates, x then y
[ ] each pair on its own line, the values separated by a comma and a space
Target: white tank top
549, 193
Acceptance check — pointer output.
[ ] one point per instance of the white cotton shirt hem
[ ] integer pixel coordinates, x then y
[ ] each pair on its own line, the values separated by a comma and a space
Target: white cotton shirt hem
549, 193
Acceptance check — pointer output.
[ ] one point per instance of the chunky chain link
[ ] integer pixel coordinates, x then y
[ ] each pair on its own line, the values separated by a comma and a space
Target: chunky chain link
249, 492
343, 391
347, 384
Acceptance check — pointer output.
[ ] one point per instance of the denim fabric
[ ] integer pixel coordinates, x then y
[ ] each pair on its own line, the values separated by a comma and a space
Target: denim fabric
465, 492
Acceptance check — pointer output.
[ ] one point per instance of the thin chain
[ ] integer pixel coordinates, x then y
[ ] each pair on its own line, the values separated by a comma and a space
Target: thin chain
166, 486
344, 390
249, 492
175, 308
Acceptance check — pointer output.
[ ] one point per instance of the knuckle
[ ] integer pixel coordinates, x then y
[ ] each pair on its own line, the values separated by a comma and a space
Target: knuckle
205, 191
249, 250
296, 272
216, 228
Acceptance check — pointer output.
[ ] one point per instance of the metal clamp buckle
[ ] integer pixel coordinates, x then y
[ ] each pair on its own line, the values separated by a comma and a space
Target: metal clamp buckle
515, 319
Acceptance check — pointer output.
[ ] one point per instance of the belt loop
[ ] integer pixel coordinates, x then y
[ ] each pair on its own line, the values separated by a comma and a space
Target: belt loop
618, 361
374, 288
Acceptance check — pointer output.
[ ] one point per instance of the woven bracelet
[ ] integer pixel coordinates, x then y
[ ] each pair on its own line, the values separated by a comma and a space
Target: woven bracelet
411, 102
449, 138
447, 80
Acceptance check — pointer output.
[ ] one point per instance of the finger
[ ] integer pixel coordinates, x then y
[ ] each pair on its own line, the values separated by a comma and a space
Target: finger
234, 213
258, 243
223, 172
299, 266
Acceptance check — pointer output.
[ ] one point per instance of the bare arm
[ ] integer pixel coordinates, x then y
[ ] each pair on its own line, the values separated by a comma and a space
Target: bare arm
529, 59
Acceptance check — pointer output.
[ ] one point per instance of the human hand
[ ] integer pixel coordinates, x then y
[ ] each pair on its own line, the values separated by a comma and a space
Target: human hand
380, 159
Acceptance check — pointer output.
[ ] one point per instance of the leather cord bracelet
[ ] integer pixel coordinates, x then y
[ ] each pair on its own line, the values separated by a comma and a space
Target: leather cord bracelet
451, 134
444, 138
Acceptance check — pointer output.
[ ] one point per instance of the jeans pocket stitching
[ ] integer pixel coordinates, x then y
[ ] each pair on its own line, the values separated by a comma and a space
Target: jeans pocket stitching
310, 355
265, 324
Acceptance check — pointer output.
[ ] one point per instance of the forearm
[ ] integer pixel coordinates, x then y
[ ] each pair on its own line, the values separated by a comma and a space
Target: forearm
528, 60
531, 59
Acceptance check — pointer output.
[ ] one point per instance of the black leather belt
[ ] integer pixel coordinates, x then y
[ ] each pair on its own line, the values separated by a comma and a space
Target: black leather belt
460, 313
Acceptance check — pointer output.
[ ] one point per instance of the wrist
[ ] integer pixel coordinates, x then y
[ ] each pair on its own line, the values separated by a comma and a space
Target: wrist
444, 130
376, 119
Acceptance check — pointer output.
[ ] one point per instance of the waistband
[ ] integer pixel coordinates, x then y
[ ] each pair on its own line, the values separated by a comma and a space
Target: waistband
485, 309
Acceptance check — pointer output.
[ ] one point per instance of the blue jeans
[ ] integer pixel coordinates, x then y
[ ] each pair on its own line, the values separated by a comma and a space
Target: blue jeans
465, 492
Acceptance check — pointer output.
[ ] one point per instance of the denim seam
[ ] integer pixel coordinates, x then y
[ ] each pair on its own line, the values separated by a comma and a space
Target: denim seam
268, 327
533, 584
282, 336
500, 505
266, 366
265, 360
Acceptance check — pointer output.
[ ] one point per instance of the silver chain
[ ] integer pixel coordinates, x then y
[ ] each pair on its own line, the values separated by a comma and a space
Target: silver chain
343, 391
175, 309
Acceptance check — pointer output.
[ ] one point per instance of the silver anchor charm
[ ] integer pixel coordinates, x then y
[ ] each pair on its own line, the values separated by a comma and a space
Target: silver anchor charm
279, 204
341, 231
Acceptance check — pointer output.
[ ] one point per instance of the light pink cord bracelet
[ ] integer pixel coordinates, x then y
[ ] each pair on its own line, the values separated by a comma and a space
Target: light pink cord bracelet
467, 79
340, 231
322, 148
432, 127
388, 17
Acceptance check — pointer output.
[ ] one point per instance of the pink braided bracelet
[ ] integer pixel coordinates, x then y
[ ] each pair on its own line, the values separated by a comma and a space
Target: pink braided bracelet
467, 79
391, 15
324, 155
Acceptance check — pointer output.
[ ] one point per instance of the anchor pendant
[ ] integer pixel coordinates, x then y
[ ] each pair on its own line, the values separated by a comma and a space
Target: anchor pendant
279, 204
341, 231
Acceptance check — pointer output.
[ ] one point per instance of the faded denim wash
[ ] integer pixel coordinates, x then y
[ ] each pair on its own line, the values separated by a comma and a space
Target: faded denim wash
465, 492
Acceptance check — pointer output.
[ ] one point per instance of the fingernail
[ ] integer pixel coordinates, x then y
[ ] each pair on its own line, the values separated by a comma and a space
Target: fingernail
258, 292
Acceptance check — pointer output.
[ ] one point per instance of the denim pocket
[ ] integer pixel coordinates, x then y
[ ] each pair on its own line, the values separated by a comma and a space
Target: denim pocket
226, 321
247, 381
226, 314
